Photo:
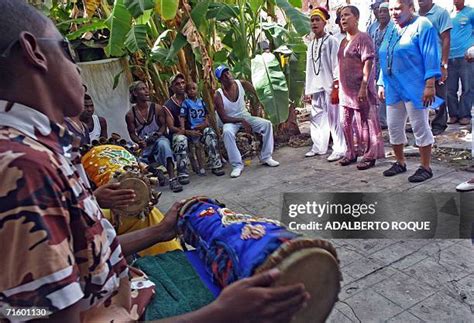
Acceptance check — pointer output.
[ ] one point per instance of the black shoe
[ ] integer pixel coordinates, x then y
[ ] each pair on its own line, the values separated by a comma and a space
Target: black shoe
396, 169
175, 186
437, 131
218, 171
183, 180
421, 175
346, 161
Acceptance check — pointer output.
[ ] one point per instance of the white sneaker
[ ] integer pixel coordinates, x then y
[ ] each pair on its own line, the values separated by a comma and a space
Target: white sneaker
270, 162
466, 186
334, 157
310, 154
236, 171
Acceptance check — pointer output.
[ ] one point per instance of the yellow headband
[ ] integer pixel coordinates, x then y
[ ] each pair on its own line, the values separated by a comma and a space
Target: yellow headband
318, 12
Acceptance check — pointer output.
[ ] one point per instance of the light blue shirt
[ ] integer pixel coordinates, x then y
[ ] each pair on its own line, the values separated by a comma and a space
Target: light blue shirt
414, 55
440, 19
462, 34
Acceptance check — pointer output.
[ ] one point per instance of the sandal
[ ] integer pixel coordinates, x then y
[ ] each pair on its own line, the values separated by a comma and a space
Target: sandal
366, 164
421, 175
346, 161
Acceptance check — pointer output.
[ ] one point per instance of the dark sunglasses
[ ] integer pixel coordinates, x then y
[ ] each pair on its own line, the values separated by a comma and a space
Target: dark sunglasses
64, 43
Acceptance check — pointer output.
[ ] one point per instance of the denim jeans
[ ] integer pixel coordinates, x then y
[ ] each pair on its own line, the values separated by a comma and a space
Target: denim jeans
460, 69
441, 119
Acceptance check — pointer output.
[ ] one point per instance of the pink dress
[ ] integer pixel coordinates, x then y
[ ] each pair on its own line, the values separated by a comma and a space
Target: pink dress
352, 56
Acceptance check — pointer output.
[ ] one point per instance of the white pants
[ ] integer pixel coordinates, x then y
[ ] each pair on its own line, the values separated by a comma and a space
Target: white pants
259, 125
326, 120
397, 116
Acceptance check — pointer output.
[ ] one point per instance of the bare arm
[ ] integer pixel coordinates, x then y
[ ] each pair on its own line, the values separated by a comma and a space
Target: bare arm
219, 106
141, 239
170, 122
365, 80
103, 127
161, 119
445, 45
248, 87
131, 128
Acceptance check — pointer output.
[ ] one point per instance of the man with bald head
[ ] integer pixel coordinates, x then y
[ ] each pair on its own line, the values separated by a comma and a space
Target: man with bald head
58, 251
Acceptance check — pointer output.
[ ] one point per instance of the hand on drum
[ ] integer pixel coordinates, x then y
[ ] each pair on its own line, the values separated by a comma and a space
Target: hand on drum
171, 220
255, 300
110, 195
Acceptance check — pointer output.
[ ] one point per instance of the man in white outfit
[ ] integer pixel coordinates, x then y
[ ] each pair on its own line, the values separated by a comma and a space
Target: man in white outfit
229, 102
322, 88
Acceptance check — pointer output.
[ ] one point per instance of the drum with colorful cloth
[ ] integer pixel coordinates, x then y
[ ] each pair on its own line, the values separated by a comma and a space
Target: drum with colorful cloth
111, 163
233, 246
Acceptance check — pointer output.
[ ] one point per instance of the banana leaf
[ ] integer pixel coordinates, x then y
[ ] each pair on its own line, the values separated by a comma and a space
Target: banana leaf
119, 23
95, 25
296, 3
299, 20
136, 38
255, 5
138, 7
270, 84
222, 11
198, 14
167, 8
297, 68
179, 42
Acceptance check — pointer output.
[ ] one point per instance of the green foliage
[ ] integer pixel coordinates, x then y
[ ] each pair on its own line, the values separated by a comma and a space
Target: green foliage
299, 20
296, 3
138, 7
136, 39
119, 24
164, 55
270, 84
255, 5
198, 14
296, 71
92, 26
167, 8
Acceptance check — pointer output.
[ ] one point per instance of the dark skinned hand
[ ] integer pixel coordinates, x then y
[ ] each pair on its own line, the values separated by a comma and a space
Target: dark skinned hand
112, 196
254, 299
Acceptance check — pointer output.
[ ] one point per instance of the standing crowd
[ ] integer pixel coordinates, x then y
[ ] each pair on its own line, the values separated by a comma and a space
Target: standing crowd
406, 63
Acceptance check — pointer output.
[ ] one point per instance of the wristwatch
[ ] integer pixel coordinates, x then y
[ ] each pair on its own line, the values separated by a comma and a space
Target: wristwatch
445, 66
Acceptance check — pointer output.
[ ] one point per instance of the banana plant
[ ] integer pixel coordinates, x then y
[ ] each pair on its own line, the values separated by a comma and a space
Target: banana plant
270, 84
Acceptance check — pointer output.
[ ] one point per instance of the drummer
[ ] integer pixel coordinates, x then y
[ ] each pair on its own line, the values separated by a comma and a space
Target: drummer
54, 235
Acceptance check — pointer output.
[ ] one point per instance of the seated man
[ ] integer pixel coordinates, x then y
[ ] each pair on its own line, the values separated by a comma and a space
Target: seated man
195, 123
230, 105
96, 125
177, 135
147, 127
58, 251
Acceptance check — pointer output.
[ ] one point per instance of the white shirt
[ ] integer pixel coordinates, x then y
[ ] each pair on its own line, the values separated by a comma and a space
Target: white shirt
235, 109
321, 64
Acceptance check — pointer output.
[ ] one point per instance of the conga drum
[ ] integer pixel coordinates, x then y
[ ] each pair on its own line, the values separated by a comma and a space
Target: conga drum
233, 246
107, 163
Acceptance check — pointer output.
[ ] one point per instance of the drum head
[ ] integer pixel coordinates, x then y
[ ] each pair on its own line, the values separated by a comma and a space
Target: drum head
318, 270
142, 195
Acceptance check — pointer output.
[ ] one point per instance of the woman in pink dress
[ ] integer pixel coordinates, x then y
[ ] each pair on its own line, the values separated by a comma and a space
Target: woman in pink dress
358, 94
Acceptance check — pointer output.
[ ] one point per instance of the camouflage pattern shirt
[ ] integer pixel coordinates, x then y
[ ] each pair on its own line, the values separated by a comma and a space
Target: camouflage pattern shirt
57, 249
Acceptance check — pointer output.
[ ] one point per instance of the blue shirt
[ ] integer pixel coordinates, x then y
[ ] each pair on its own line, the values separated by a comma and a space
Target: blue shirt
414, 56
462, 34
440, 19
194, 111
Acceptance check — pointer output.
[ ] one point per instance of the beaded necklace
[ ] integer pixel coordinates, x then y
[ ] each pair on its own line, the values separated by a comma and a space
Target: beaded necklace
391, 50
317, 60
